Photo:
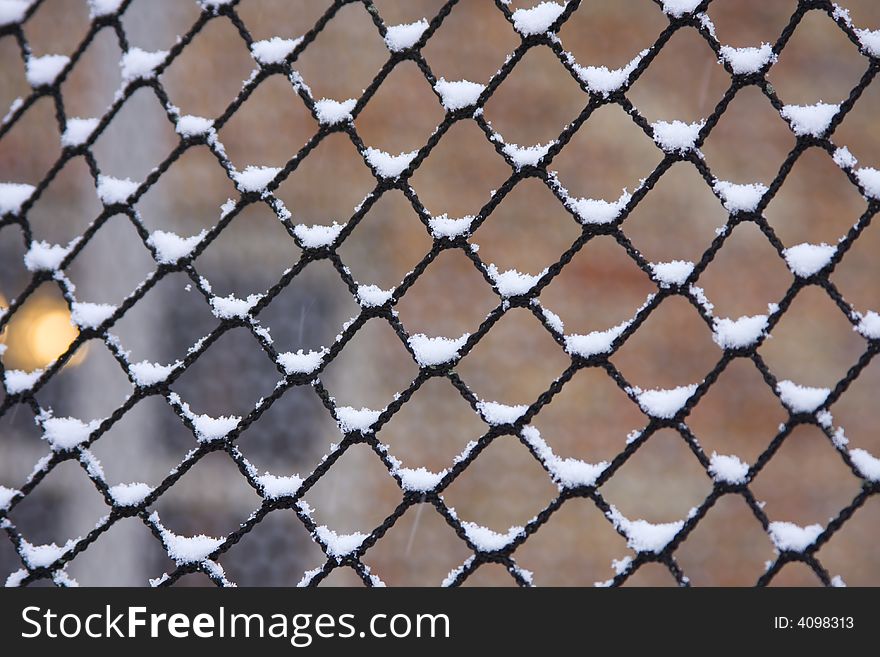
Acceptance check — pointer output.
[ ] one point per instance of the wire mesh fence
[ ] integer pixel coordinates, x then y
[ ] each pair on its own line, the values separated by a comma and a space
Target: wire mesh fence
76, 440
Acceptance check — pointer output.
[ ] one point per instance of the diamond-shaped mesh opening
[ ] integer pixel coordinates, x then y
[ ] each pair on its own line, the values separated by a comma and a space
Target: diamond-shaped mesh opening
728, 548
590, 419
138, 139
827, 218
675, 350
423, 541
574, 548
66, 478
274, 100
67, 207
406, 95
355, 495
682, 219
485, 499
191, 506
433, 427
842, 556
853, 414
112, 264
719, 420
744, 23
607, 154
746, 274
47, 35
818, 63
610, 36
144, 445
812, 318
805, 482
527, 231
427, 293
660, 482
683, 82
32, 144
471, 44
90, 86
391, 223
207, 391
750, 141
515, 362
217, 47
536, 101
443, 182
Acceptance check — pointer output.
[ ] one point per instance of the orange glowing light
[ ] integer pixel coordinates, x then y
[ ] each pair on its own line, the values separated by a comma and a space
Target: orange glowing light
39, 333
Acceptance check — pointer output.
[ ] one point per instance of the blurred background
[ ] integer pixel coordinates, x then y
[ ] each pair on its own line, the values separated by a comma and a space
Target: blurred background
813, 344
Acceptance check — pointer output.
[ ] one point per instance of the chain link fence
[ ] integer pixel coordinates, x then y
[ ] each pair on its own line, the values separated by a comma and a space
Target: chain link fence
299, 373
